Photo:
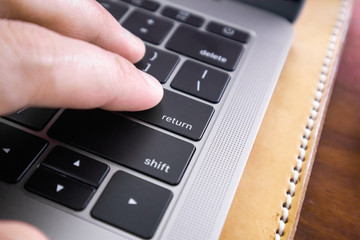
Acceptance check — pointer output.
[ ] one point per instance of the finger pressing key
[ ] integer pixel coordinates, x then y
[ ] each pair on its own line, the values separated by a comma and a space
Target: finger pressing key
42, 68
82, 19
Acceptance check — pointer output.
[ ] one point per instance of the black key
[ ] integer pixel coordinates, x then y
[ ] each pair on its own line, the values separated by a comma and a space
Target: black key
116, 9
147, 26
76, 165
125, 142
179, 114
183, 16
33, 118
132, 204
229, 32
146, 4
201, 81
18, 151
60, 189
206, 47
158, 63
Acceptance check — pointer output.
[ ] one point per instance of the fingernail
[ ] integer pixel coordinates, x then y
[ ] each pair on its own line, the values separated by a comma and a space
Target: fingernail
152, 81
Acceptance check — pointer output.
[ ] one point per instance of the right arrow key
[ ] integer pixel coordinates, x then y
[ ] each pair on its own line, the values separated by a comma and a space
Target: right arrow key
132, 204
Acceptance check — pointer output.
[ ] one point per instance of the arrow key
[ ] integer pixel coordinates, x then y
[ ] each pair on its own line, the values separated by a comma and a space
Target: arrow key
18, 151
60, 189
132, 204
76, 165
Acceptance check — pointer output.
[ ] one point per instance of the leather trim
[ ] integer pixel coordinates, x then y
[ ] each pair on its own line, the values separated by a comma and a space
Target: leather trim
299, 102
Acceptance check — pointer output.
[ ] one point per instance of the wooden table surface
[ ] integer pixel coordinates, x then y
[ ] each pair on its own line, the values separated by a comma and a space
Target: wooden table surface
331, 209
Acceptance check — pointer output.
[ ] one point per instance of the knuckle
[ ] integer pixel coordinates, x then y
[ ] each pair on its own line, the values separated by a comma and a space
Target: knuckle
121, 73
100, 14
28, 50
26, 39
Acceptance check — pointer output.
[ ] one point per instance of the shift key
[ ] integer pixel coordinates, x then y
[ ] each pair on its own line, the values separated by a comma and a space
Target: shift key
128, 143
179, 114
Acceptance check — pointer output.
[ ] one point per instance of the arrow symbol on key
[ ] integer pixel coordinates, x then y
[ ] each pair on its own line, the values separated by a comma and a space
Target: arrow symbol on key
59, 187
6, 150
77, 163
132, 201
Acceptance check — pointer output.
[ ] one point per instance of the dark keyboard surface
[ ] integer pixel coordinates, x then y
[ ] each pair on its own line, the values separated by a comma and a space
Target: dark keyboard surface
33, 118
132, 204
206, 47
60, 188
76, 165
179, 114
158, 63
125, 142
148, 27
18, 151
183, 16
194, 59
201, 81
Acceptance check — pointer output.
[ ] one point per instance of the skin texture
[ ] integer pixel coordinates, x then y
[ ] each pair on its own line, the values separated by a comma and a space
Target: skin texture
59, 54
67, 53
15, 230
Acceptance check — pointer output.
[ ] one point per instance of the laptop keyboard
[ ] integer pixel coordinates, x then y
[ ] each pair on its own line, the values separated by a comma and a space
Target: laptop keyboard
158, 63
211, 51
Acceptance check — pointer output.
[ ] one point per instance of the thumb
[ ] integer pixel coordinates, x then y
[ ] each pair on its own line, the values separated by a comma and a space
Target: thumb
42, 68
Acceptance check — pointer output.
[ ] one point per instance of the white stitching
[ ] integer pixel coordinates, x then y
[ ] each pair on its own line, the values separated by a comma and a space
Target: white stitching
316, 104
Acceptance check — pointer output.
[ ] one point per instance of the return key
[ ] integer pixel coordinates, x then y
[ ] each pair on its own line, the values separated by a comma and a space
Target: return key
179, 114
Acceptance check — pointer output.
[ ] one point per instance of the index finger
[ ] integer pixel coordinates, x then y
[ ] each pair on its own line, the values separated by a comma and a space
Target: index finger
82, 19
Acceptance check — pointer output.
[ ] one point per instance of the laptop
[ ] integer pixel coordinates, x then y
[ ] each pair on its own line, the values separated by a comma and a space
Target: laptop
170, 172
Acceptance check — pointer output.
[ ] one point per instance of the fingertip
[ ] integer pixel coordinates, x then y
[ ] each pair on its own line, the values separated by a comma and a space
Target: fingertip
154, 83
157, 91
136, 45
16, 230
143, 93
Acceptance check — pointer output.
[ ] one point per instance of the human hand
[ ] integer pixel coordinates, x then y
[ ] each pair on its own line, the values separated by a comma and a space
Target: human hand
70, 53
67, 53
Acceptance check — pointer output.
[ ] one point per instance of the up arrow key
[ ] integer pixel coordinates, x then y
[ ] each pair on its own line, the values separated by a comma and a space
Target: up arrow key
59, 188
132, 201
6, 150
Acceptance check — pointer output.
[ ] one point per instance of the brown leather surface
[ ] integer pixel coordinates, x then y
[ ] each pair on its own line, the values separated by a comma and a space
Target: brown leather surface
258, 204
331, 208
